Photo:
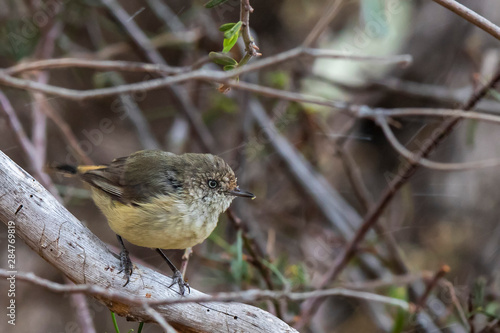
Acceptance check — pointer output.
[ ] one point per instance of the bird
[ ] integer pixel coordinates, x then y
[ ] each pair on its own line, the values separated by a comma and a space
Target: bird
160, 200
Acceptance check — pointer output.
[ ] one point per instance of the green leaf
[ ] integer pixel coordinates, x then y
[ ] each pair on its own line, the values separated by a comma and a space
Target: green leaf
229, 67
222, 59
214, 3
235, 30
229, 43
226, 26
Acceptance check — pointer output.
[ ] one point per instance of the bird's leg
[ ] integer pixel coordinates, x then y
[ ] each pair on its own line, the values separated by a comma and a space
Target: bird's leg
177, 277
125, 262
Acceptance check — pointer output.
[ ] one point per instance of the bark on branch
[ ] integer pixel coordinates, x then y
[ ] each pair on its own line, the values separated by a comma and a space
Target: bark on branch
58, 237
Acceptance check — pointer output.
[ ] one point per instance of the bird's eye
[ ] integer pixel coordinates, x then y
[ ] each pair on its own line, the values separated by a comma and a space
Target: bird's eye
212, 183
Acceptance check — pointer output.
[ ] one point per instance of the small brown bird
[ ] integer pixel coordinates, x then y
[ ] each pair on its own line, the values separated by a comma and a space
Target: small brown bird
161, 200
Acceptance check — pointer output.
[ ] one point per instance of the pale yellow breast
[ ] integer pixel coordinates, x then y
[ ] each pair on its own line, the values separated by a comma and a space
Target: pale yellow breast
164, 223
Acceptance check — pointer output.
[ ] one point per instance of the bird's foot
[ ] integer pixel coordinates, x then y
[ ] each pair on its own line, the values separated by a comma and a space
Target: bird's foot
177, 279
125, 265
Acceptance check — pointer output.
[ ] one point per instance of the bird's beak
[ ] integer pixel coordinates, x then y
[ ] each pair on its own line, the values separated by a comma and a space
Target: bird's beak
240, 193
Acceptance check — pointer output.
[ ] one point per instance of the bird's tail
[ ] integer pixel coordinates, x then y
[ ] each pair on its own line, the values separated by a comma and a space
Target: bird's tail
72, 170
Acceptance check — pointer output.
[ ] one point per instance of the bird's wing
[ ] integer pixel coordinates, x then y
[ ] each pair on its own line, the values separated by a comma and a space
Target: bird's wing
137, 178
108, 178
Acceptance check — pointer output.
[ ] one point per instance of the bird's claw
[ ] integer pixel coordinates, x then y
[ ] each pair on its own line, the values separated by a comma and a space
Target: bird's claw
125, 265
177, 279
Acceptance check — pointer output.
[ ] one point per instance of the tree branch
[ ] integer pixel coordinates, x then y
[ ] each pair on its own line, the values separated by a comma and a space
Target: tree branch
471, 16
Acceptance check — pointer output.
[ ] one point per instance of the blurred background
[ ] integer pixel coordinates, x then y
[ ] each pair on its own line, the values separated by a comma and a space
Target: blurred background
437, 218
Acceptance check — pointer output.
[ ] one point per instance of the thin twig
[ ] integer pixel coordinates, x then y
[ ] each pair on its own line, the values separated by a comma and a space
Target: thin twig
431, 285
105, 65
134, 31
414, 158
471, 16
447, 284
254, 295
163, 12
159, 319
329, 14
250, 47
79, 302
207, 75
39, 127
420, 90
351, 170
66, 132
29, 150
136, 116
162, 68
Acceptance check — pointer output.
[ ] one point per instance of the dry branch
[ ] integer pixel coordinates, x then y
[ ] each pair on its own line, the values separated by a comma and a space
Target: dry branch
251, 295
58, 237
471, 16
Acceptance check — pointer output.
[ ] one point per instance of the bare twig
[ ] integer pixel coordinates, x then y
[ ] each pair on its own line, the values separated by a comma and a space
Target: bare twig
350, 168
162, 11
29, 150
105, 65
137, 118
327, 16
414, 158
421, 90
66, 131
250, 47
254, 295
207, 75
409, 112
79, 302
134, 31
39, 128
431, 285
159, 319
447, 284
471, 16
